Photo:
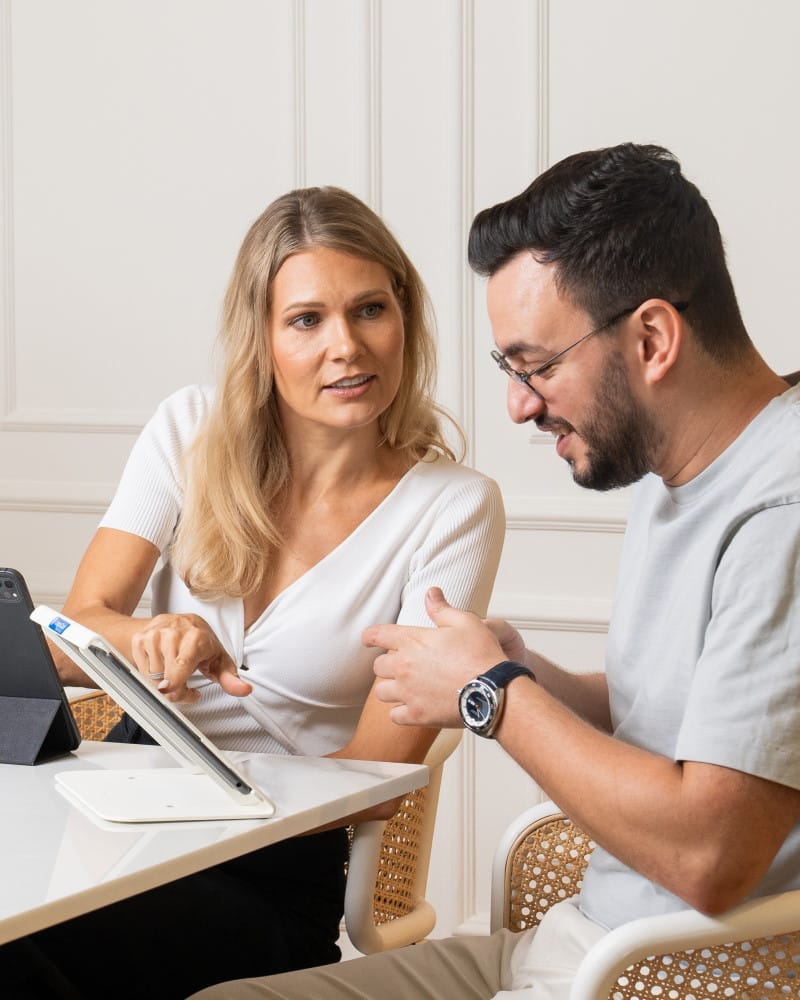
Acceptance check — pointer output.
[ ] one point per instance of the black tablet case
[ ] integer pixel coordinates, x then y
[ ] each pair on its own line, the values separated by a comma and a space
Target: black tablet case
35, 718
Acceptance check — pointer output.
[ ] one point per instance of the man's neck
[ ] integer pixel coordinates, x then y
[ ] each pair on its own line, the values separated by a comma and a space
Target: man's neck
713, 416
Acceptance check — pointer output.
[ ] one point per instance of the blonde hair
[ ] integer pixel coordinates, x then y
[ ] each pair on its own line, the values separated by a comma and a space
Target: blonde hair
238, 468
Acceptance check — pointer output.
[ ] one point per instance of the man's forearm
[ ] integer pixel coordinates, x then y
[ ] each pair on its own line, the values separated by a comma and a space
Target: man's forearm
584, 694
676, 823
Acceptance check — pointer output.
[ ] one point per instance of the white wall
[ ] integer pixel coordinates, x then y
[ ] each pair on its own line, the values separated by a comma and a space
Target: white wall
139, 138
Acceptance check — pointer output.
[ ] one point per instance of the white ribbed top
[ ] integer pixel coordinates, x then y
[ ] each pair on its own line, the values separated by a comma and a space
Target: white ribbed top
443, 525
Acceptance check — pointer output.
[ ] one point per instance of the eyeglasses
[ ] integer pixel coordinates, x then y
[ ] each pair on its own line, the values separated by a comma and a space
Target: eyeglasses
525, 377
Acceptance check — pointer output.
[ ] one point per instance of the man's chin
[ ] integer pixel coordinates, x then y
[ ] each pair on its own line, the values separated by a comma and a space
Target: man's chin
604, 480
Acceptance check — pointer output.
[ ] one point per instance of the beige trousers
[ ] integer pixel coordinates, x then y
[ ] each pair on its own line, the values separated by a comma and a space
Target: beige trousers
538, 964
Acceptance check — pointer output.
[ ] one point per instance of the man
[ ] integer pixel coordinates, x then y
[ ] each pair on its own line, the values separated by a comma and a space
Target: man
616, 320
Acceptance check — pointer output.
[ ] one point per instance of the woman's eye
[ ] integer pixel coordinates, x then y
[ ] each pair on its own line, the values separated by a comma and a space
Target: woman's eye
372, 310
306, 321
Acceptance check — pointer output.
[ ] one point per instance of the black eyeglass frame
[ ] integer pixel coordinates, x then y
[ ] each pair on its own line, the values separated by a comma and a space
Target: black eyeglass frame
524, 377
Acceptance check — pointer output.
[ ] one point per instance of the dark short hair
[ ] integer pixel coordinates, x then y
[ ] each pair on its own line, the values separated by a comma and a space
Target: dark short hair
621, 225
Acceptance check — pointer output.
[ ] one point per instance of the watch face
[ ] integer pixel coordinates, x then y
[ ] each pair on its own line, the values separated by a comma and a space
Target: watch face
478, 704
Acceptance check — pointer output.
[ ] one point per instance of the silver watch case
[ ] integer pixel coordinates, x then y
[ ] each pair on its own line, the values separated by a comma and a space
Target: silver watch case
480, 704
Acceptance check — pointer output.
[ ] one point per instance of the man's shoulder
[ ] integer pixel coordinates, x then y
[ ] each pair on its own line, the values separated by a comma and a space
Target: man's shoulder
769, 465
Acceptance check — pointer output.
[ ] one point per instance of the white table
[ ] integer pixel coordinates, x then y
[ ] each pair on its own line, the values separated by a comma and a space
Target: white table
57, 861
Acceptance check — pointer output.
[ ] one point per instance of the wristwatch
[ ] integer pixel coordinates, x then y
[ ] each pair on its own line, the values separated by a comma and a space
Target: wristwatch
480, 702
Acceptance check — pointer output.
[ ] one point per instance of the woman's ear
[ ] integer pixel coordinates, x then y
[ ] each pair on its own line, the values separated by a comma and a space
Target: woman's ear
660, 336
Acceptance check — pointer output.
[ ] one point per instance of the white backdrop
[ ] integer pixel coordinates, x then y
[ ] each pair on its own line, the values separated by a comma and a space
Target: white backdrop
139, 139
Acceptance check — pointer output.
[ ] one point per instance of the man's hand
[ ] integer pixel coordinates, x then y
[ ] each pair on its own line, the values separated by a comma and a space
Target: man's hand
423, 669
509, 639
171, 647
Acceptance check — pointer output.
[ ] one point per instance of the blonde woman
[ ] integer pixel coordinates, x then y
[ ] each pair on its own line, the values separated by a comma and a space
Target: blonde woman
310, 495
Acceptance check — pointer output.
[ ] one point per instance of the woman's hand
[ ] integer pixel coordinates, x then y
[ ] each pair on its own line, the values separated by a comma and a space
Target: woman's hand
170, 648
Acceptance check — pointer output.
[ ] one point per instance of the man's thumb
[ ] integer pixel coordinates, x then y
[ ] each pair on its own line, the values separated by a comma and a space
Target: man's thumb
436, 606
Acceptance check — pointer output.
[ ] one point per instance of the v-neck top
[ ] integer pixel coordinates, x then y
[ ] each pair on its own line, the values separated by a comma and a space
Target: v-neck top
442, 524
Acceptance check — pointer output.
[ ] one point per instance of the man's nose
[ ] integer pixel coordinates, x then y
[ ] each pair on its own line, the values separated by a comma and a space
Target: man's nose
523, 404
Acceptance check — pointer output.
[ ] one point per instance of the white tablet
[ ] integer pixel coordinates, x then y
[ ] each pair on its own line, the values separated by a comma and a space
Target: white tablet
219, 791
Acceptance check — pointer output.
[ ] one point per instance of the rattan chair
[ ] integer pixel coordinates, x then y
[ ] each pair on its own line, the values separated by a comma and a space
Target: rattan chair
751, 952
96, 714
385, 905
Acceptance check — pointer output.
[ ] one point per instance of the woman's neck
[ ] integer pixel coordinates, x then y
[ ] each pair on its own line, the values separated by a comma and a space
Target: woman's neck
323, 464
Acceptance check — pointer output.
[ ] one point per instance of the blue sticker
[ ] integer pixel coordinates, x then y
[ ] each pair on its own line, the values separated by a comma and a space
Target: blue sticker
59, 625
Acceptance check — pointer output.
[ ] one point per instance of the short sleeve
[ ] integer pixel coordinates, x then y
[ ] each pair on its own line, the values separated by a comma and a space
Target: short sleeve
460, 553
744, 703
150, 494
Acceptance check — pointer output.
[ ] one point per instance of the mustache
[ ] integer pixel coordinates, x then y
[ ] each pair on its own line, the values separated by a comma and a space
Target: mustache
549, 426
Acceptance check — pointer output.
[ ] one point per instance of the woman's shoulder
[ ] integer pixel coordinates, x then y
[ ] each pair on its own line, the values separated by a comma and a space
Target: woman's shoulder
190, 404
441, 474
182, 412
177, 419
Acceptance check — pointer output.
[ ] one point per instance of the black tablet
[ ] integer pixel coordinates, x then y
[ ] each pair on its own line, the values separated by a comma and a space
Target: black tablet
36, 722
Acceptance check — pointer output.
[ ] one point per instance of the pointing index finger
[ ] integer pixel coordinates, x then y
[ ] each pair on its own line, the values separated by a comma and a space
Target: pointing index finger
382, 636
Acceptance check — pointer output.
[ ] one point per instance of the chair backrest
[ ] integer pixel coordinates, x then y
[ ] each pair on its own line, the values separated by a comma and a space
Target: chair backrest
539, 861
96, 714
681, 956
385, 905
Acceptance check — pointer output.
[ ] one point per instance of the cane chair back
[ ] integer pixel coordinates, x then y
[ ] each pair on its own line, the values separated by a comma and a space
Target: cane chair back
385, 905
751, 953
96, 714
544, 863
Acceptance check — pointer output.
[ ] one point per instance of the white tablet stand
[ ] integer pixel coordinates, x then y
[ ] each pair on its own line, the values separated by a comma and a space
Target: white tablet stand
208, 785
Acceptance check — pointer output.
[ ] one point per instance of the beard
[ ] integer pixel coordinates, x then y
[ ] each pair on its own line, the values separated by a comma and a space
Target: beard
620, 435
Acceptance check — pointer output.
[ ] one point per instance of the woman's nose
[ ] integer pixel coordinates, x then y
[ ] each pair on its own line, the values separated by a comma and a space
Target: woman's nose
523, 404
345, 342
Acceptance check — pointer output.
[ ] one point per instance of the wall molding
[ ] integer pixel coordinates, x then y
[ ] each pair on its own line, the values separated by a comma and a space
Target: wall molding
7, 334
299, 34
59, 421
13, 418
537, 613
467, 409
543, 85
374, 56
466, 403
592, 513
55, 497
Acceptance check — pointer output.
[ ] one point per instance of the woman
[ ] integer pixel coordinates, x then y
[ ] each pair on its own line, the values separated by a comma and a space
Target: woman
311, 495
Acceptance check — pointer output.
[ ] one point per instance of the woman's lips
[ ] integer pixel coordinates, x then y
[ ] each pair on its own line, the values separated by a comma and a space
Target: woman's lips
351, 387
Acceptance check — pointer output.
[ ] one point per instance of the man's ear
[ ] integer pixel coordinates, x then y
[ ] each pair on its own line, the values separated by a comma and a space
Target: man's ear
660, 333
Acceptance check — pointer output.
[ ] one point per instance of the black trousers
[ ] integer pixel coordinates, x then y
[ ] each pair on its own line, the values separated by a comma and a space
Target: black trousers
273, 910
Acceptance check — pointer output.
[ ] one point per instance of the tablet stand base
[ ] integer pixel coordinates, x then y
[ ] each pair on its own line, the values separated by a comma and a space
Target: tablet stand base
156, 796
25, 725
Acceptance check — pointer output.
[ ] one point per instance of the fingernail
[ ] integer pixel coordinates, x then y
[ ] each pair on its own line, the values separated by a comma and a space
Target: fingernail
164, 685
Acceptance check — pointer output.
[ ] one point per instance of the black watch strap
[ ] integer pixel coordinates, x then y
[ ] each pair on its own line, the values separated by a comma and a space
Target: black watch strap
503, 673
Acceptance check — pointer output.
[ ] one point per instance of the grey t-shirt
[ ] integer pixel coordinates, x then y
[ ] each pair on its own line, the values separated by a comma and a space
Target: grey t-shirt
703, 654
